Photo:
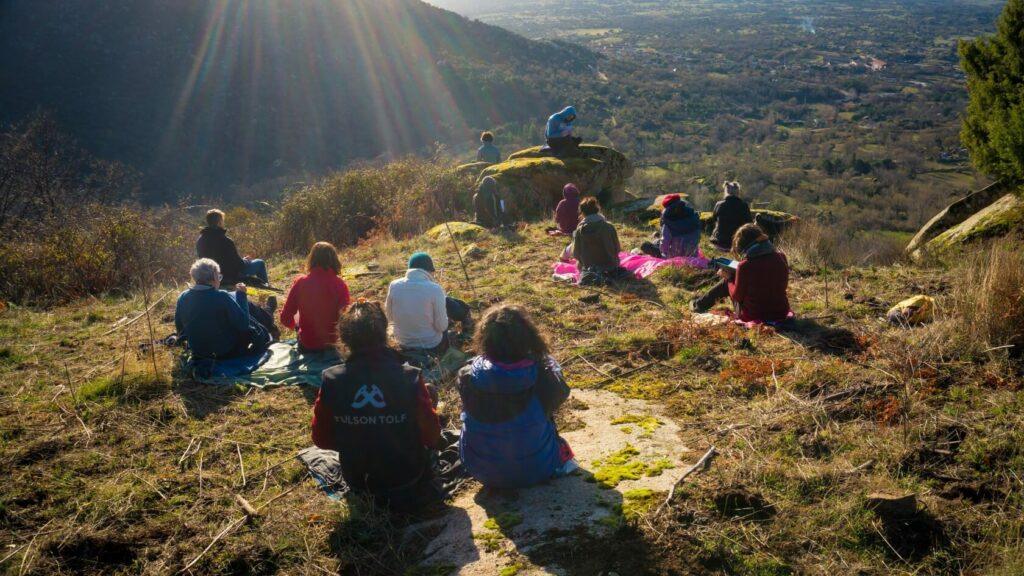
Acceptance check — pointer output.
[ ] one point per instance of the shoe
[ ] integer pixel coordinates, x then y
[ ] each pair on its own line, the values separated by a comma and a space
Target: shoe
272, 304
696, 308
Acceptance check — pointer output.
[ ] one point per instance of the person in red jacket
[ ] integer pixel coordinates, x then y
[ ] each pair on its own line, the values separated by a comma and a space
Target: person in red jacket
758, 285
377, 412
317, 299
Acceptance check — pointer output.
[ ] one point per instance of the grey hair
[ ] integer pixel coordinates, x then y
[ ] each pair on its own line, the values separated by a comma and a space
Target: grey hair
204, 271
731, 188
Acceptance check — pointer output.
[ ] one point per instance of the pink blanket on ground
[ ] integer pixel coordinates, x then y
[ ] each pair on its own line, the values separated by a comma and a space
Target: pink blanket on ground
641, 265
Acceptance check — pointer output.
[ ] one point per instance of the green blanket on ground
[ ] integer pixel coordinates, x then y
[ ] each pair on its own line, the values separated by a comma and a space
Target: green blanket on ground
286, 366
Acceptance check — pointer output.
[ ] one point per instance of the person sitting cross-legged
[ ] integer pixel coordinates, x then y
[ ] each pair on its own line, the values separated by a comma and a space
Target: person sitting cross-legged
680, 230
596, 247
215, 244
377, 412
488, 152
218, 324
758, 285
730, 213
317, 300
419, 310
509, 394
558, 133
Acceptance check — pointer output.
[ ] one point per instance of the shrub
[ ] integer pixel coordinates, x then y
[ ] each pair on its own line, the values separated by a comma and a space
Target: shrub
988, 298
90, 250
402, 198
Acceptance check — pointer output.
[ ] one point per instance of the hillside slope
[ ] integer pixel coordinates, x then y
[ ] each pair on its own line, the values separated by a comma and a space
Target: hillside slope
112, 470
201, 95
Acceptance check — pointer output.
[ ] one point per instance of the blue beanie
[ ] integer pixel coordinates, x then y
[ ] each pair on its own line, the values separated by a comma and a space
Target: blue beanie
421, 260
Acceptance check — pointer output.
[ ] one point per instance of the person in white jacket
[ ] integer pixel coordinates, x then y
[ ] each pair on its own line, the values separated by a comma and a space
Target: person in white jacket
419, 311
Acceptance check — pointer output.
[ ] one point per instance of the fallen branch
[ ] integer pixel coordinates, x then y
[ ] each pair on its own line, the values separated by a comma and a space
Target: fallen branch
700, 466
865, 466
140, 316
252, 512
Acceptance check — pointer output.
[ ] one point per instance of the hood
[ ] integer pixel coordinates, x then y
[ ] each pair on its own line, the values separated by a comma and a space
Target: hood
571, 192
762, 248
566, 112
680, 217
591, 224
490, 377
489, 185
213, 231
418, 275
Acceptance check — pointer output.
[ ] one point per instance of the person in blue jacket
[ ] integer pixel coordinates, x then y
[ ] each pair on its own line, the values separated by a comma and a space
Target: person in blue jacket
558, 134
680, 230
215, 323
509, 393
488, 152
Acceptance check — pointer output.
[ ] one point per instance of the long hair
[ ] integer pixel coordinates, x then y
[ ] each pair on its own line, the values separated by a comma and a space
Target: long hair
364, 327
508, 335
747, 235
323, 255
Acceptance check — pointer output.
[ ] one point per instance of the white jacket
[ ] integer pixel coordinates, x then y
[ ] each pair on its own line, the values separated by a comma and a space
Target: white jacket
415, 306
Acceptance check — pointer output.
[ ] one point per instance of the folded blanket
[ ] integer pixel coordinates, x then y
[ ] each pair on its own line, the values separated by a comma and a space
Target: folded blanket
281, 365
640, 265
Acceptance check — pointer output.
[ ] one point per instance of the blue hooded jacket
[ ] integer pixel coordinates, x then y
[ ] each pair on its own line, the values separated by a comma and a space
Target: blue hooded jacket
680, 230
508, 438
558, 127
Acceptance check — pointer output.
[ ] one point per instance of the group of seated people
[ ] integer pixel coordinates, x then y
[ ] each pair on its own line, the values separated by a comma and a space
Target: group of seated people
377, 410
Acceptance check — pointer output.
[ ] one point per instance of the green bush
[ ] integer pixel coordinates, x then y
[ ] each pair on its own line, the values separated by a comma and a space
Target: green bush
403, 198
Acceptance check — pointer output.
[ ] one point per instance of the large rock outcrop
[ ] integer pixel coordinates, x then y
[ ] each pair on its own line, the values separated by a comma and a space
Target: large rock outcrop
956, 213
997, 219
531, 182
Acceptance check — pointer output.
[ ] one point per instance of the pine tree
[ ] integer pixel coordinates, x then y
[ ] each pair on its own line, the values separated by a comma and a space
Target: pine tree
993, 129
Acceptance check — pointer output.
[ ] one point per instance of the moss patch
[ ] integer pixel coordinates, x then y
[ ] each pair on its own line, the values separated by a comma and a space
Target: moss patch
625, 465
646, 423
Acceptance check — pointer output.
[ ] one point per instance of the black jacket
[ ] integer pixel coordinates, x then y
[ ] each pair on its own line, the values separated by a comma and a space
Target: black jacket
213, 243
729, 215
372, 401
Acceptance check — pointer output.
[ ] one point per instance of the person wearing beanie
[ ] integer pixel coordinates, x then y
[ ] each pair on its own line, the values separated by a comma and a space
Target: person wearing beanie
487, 204
488, 152
680, 230
567, 215
419, 310
730, 213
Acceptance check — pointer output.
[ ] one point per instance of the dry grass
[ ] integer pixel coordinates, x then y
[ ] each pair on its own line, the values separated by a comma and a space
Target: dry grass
988, 300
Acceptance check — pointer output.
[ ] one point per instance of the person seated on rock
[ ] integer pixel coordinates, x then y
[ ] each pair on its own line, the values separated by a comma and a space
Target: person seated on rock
567, 213
219, 324
377, 412
317, 300
730, 213
759, 283
419, 310
509, 393
487, 204
214, 243
488, 152
595, 246
680, 230
558, 134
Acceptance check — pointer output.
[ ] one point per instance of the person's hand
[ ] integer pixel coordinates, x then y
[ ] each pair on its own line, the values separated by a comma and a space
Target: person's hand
247, 259
240, 287
724, 274
432, 390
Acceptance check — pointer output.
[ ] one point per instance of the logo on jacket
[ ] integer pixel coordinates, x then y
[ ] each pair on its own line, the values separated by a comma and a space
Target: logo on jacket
372, 396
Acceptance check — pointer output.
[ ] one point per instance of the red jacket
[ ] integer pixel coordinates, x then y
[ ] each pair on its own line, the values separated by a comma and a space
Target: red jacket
759, 288
318, 298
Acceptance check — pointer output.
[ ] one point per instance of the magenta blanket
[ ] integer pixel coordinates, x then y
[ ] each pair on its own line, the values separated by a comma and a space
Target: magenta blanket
641, 265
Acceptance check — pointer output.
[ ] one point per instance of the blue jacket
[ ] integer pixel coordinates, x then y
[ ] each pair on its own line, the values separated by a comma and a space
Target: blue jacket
508, 438
213, 321
680, 230
557, 125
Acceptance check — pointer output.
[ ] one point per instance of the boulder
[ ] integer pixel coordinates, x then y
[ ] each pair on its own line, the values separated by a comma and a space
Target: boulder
531, 182
997, 219
472, 169
956, 213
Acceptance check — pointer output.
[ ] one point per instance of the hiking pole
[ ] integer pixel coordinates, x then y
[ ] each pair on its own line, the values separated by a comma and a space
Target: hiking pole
458, 251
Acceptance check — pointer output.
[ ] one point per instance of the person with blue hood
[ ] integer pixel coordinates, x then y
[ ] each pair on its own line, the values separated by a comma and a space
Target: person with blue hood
680, 230
509, 393
558, 134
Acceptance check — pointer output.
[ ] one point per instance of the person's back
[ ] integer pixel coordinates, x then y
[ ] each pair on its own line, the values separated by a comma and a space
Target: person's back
761, 284
680, 230
318, 298
215, 244
509, 394
213, 321
730, 214
595, 244
488, 152
486, 204
567, 215
376, 412
416, 308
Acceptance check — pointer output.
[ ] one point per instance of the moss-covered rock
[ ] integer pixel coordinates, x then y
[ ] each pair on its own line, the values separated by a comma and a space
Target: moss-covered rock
472, 169
998, 219
956, 213
531, 182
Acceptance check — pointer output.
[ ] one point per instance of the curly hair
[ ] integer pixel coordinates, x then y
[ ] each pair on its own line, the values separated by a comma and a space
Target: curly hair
364, 327
487, 137
507, 334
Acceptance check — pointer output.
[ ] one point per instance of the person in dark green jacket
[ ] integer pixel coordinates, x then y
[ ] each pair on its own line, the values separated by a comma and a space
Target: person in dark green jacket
596, 247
